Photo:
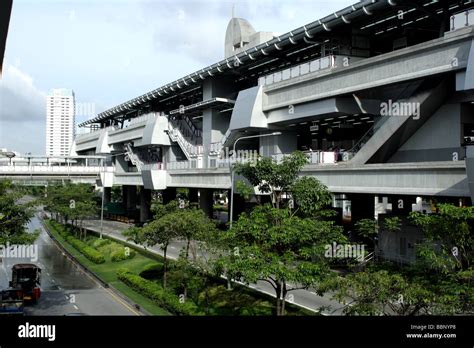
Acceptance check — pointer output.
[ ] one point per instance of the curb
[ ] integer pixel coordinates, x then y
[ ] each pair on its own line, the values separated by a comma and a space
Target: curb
93, 275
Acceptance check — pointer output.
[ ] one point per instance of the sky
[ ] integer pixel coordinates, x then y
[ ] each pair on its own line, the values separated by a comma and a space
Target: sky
110, 51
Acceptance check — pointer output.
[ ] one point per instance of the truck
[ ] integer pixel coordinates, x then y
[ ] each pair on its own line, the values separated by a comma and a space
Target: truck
26, 281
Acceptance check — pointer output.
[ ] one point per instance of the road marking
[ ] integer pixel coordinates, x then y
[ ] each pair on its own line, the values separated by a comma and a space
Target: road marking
118, 299
76, 307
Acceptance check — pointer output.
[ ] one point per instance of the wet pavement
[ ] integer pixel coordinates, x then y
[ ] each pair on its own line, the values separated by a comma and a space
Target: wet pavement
65, 289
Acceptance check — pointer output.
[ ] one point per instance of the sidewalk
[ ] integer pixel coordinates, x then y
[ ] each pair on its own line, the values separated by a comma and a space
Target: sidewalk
303, 298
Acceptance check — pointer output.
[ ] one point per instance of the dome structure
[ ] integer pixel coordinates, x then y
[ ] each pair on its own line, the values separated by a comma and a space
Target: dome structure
238, 34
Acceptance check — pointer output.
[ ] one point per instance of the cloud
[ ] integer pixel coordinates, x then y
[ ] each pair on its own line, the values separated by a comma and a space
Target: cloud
196, 28
22, 112
20, 100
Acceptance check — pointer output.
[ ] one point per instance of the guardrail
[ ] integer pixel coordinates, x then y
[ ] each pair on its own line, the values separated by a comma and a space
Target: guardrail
317, 157
55, 169
153, 166
302, 69
462, 20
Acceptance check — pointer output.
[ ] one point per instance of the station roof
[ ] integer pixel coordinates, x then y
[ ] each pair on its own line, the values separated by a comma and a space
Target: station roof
375, 18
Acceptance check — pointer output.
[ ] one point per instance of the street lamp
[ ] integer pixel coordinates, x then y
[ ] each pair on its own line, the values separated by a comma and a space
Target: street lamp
103, 197
233, 173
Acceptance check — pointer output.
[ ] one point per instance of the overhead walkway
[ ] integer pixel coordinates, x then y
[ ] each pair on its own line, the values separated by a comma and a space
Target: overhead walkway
40, 169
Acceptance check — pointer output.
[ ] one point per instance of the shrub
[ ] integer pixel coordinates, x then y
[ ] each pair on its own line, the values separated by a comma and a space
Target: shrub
233, 302
97, 243
157, 294
86, 250
122, 254
152, 271
58, 228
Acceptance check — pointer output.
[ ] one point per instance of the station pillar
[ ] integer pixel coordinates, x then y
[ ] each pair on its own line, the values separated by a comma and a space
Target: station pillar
145, 204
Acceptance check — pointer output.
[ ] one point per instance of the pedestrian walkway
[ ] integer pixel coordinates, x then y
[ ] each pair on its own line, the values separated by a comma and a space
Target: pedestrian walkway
303, 298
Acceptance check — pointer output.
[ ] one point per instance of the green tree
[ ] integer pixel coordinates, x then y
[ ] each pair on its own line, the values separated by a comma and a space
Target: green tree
439, 282
13, 216
84, 210
367, 228
273, 178
171, 222
284, 242
278, 247
161, 231
449, 237
380, 292
187, 277
72, 203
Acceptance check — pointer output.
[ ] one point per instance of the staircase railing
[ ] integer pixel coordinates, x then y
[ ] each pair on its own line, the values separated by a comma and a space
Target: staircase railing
190, 150
133, 156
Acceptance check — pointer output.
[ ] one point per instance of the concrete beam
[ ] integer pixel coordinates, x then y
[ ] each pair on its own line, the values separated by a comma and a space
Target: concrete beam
448, 179
447, 54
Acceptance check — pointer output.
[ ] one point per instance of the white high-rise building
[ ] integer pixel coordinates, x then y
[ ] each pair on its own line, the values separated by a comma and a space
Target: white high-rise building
60, 122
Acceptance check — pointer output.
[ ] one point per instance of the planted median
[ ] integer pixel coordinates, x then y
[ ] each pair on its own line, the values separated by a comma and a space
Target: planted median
107, 270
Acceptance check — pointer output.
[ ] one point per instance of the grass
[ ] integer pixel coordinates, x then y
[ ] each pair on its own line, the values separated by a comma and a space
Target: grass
107, 272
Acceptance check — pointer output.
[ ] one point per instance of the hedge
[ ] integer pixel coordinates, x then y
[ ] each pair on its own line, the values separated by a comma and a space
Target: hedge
97, 243
157, 294
59, 228
86, 250
122, 254
152, 271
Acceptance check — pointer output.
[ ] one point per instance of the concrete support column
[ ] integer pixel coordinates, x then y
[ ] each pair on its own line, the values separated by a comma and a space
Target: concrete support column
131, 199
362, 207
239, 205
214, 123
402, 205
206, 201
281, 144
145, 204
168, 195
193, 195
124, 197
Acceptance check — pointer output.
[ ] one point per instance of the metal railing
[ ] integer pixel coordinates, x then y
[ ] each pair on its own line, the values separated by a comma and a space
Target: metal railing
302, 69
316, 157
190, 150
153, 166
133, 157
142, 118
462, 20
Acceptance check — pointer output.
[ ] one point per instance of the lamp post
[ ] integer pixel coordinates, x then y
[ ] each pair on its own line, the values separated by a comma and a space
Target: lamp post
233, 173
103, 197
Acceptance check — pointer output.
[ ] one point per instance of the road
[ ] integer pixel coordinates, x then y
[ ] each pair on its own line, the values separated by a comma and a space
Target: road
304, 298
66, 290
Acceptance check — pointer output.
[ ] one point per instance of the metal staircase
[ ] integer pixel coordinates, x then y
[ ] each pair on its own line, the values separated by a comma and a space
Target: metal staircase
180, 135
133, 156
390, 132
